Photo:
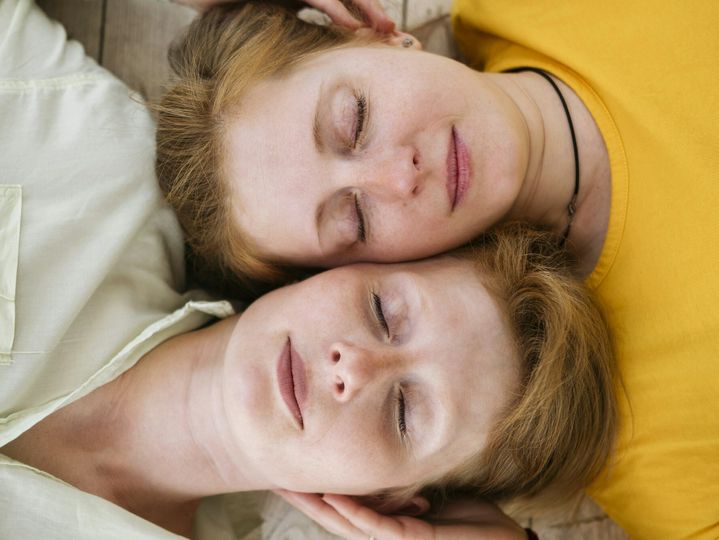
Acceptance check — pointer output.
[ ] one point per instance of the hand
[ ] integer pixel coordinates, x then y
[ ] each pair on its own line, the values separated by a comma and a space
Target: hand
349, 519
371, 9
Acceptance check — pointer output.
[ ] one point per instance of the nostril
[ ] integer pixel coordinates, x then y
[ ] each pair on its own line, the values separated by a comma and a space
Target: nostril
340, 386
415, 161
335, 356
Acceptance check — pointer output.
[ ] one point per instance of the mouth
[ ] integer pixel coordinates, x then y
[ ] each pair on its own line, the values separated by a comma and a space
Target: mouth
458, 169
292, 382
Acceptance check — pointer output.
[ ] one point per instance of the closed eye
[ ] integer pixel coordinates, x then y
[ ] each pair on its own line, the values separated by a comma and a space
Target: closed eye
361, 231
379, 314
401, 406
361, 119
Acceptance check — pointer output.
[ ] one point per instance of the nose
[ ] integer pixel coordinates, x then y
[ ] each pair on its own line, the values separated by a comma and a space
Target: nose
355, 368
395, 176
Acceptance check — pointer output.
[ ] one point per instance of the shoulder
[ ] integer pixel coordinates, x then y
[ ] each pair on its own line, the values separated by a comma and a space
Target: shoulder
33, 46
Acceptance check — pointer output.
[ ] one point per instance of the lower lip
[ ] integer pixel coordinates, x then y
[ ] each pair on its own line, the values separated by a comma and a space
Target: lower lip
463, 168
287, 379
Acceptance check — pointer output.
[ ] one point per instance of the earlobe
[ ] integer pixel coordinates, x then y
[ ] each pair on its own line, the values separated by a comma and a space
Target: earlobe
394, 38
404, 40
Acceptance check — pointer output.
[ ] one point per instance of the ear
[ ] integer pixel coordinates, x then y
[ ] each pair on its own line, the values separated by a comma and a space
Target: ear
414, 507
404, 40
394, 38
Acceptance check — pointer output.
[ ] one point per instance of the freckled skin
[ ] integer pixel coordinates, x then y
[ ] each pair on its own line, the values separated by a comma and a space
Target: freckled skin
397, 172
447, 340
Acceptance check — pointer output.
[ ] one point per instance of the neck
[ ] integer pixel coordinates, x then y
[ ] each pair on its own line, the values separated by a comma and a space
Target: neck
156, 439
179, 443
548, 184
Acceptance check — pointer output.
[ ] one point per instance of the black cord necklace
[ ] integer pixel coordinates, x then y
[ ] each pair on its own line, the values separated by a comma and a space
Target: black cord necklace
572, 206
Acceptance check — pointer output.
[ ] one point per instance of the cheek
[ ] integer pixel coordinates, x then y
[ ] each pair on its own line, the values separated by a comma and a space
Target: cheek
346, 459
250, 403
369, 459
504, 139
415, 235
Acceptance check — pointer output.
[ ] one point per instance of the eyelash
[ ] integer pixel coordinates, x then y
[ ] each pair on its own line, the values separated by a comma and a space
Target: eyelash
361, 119
379, 313
361, 231
401, 406
359, 130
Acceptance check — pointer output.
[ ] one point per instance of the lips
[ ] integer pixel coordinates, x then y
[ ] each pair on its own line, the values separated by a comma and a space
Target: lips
458, 169
292, 381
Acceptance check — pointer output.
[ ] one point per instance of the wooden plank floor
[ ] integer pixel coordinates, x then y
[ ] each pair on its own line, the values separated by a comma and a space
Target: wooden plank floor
83, 21
130, 38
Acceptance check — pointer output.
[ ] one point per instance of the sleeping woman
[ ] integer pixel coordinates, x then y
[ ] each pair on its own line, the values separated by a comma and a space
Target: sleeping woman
486, 372
398, 383
285, 145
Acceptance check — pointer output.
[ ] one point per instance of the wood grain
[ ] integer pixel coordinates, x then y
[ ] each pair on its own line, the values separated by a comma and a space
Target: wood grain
82, 20
420, 12
436, 37
136, 38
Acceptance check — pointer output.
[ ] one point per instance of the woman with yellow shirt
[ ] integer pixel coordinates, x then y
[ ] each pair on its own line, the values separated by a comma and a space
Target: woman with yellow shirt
286, 145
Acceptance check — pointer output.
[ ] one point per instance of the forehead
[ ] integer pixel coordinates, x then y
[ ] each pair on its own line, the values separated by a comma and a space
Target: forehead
471, 356
302, 81
270, 129
270, 158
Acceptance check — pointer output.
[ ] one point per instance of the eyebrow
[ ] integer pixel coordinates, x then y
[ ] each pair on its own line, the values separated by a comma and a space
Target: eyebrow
438, 437
316, 126
317, 130
318, 220
320, 146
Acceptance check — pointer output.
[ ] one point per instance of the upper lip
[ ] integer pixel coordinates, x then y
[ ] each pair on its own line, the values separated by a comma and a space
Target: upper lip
292, 381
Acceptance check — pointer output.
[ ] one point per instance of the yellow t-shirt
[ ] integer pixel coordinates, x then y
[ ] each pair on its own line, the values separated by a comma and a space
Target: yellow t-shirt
649, 74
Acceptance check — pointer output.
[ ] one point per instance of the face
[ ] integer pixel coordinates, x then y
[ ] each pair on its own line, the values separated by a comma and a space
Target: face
373, 153
368, 377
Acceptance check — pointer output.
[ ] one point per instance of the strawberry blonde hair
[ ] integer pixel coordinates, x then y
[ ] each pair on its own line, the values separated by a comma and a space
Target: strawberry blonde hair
224, 53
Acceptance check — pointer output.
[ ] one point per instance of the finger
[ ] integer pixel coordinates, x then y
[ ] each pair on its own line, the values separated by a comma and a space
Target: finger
339, 14
376, 15
364, 518
325, 515
309, 503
